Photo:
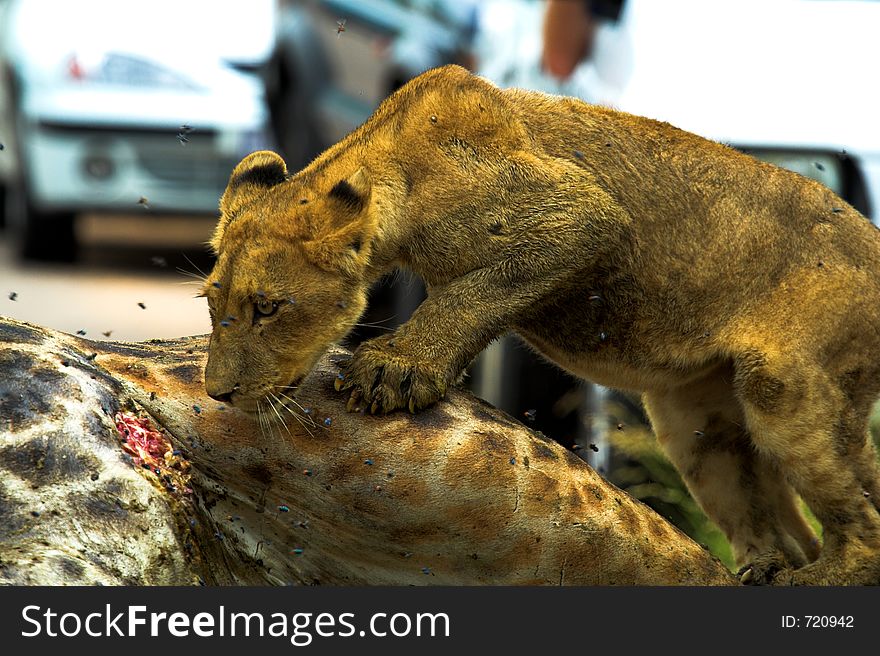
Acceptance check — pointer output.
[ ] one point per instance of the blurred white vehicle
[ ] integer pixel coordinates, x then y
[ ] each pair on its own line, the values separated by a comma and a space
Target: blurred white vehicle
123, 106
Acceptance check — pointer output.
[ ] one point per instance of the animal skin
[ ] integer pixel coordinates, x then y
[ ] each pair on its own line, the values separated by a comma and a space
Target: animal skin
741, 300
312, 502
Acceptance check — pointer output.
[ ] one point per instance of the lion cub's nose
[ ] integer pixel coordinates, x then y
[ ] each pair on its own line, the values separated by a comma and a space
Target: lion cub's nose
224, 397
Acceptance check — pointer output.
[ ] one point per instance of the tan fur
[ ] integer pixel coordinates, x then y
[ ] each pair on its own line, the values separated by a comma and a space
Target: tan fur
742, 300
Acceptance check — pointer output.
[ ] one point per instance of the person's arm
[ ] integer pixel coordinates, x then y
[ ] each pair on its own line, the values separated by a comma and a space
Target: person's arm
568, 36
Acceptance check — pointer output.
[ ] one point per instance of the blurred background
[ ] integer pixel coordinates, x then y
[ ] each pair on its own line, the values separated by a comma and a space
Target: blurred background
121, 121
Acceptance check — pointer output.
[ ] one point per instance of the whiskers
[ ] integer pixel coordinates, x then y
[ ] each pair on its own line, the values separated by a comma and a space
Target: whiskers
196, 267
200, 278
282, 407
195, 278
264, 422
378, 324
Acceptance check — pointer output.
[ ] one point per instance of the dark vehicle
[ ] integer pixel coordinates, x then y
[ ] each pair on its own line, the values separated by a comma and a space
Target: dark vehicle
334, 61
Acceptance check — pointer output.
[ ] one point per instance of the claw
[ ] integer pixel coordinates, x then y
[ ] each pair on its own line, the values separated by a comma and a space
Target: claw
374, 407
747, 576
412, 406
352, 403
338, 383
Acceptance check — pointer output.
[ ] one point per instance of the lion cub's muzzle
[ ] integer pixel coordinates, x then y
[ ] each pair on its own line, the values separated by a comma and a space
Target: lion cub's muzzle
223, 397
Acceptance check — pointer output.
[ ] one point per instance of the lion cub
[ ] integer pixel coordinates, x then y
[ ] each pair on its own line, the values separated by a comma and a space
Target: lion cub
741, 300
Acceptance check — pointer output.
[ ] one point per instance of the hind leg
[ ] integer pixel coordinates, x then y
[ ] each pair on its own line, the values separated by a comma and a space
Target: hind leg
868, 470
701, 428
853, 443
802, 420
852, 440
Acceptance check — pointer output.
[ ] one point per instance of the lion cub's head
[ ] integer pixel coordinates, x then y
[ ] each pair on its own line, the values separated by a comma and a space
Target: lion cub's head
289, 278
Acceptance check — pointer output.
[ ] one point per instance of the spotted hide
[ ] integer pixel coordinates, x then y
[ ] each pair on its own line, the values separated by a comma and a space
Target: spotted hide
115, 468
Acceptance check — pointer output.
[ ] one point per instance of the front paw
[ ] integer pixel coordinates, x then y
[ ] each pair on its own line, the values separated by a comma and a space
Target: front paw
769, 568
382, 379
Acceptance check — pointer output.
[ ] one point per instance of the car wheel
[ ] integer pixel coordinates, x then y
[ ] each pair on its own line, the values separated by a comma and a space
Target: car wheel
36, 235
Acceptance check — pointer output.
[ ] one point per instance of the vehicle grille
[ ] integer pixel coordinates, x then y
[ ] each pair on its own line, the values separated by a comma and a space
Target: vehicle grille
195, 163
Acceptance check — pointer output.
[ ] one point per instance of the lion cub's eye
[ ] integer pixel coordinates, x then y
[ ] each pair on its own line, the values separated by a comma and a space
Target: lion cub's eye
265, 308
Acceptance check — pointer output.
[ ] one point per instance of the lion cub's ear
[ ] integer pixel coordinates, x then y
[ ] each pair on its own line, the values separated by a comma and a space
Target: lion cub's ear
254, 174
343, 242
353, 193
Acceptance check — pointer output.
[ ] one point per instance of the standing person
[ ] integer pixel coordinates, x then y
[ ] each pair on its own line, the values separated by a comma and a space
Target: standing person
567, 36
